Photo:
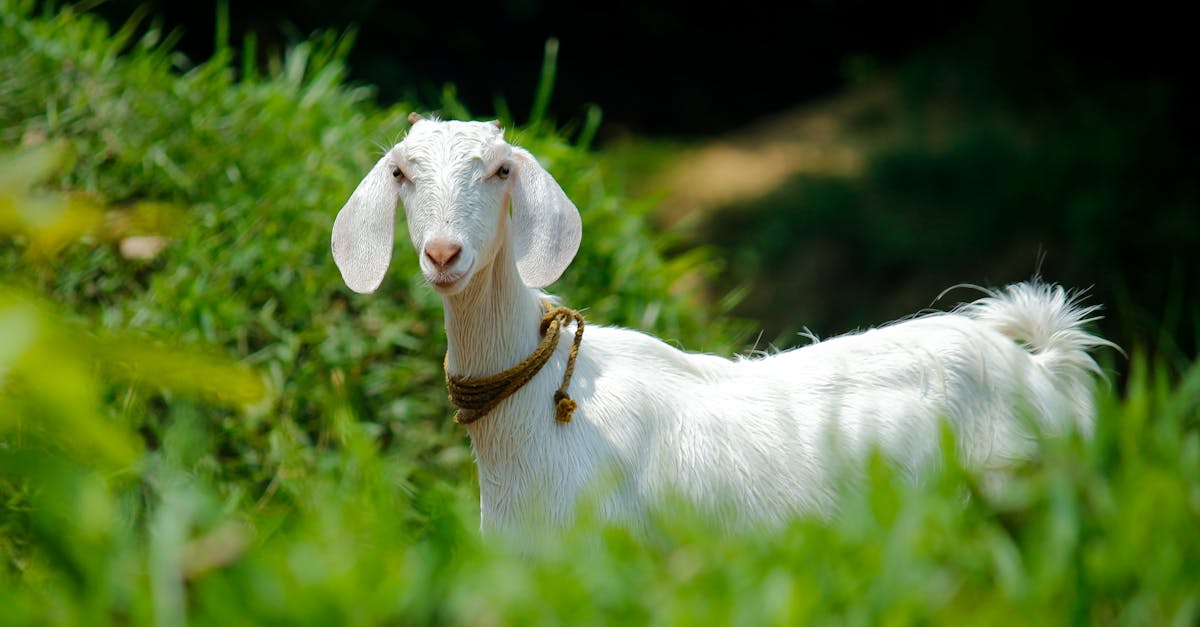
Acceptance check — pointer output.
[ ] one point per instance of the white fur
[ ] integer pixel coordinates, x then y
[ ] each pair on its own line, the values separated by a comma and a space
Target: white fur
751, 440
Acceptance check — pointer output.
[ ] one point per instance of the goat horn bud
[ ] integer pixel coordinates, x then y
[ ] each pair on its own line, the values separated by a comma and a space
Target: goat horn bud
415, 117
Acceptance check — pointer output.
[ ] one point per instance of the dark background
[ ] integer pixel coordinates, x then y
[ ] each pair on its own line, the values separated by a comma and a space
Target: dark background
683, 68
674, 67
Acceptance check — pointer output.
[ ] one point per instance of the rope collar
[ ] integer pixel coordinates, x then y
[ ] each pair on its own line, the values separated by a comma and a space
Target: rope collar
475, 398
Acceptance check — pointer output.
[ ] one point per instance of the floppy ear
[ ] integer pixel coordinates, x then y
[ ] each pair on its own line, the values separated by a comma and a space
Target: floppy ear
546, 225
364, 229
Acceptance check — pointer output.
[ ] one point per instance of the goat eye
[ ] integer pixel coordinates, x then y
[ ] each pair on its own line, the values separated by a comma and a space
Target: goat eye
503, 172
397, 173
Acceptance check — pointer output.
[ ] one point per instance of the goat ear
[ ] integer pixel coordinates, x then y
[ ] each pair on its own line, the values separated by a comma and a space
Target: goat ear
364, 229
546, 224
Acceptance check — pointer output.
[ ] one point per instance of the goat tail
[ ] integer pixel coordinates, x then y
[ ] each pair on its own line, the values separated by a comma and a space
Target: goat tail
1047, 319
1050, 323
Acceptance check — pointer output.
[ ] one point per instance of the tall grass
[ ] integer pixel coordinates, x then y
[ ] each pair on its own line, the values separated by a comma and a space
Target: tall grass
220, 433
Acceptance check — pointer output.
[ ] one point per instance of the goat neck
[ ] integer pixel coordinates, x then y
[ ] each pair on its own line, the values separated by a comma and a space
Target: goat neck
492, 324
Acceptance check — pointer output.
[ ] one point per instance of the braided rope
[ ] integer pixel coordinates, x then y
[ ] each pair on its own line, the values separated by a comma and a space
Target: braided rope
475, 398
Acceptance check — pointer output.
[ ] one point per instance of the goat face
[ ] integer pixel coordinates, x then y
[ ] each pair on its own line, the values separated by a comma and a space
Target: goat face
456, 181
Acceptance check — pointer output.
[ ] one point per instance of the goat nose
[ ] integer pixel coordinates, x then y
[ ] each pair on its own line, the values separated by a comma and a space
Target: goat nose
442, 253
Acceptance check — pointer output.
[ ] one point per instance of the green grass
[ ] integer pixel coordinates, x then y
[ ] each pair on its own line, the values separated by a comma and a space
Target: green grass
224, 434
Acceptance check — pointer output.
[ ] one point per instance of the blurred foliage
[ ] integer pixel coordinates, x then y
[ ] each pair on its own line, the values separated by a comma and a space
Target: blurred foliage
994, 157
216, 431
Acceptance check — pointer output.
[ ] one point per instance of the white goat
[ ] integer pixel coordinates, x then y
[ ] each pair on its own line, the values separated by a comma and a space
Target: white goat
752, 440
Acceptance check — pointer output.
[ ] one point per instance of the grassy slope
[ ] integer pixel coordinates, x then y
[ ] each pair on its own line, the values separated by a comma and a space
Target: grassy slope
138, 486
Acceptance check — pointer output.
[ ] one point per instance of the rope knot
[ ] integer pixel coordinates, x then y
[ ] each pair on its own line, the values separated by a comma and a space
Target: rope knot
564, 407
475, 398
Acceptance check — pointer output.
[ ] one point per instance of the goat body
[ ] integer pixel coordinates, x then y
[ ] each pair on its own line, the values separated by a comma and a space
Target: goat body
751, 440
